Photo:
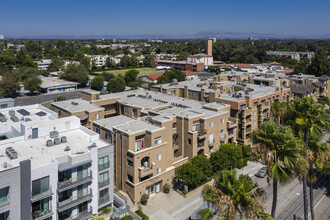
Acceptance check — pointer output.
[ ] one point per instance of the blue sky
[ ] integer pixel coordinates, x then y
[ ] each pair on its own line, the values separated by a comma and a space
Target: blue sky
121, 17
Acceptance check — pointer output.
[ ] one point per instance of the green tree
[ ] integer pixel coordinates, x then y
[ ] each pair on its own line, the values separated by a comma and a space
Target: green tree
235, 197
125, 61
169, 75
33, 49
302, 66
108, 76
86, 62
280, 150
32, 84
320, 65
6, 63
76, 73
97, 83
116, 84
205, 214
9, 83
229, 156
131, 77
308, 118
56, 64
278, 110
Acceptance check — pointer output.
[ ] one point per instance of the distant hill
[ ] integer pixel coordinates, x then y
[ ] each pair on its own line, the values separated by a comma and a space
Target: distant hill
200, 35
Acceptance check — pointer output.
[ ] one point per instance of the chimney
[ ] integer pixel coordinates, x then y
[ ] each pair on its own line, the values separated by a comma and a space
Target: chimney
209, 47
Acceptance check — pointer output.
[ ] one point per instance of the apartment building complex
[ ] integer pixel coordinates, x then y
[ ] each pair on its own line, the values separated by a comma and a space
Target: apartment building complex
249, 103
290, 54
51, 168
153, 133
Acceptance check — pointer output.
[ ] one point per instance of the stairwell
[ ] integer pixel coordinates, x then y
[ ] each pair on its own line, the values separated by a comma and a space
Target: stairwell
124, 196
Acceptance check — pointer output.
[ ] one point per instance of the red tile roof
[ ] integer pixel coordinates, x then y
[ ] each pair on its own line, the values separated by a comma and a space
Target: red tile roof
244, 65
154, 76
189, 73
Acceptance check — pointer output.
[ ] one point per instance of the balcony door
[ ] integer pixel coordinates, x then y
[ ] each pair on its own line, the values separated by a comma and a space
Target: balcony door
82, 207
82, 172
82, 190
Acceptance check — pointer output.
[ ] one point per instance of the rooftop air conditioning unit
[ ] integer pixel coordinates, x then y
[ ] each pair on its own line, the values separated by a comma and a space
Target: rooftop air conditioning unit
11, 112
67, 148
49, 143
14, 118
57, 141
63, 139
53, 134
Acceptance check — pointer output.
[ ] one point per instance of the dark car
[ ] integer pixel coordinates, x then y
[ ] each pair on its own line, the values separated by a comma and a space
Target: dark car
262, 172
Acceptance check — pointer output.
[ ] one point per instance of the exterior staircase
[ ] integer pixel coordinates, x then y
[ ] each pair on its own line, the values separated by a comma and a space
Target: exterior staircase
124, 196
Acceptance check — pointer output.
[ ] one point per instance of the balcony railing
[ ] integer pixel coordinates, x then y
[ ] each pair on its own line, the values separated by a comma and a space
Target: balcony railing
43, 195
5, 201
104, 199
41, 214
104, 183
145, 171
104, 166
73, 180
202, 132
248, 120
72, 199
82, 215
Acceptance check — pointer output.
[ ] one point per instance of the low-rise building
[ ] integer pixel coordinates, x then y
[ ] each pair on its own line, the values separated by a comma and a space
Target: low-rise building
55, 85
44, 64
6, 103
290, 54
52, 168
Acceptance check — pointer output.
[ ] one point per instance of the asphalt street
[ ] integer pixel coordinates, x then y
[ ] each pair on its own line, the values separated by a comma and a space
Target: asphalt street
38, 99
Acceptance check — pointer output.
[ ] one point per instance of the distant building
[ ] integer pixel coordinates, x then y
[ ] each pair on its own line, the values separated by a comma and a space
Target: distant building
55, 85
6, 103
291, 55
44, 64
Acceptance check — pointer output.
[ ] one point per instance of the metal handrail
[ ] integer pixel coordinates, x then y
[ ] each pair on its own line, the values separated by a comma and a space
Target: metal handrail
72, 180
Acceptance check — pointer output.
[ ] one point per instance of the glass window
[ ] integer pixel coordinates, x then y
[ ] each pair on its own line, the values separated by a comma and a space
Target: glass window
104, 178
104, 192
130, 163
189, 141
211, 124
103, 162
191, 93
222, 120
4, 216
126, 110
174, 125
107, 136
210, 138
159, 170
130, 178
96, 116
254, 122
159, 157
138, 145
254, 113
222, 133
97, 130
135, 112
39, 186
195, 126
4, 198
40, 206
255, 104
158, 140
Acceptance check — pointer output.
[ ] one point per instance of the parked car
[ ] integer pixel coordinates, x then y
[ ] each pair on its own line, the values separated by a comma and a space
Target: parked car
262, 172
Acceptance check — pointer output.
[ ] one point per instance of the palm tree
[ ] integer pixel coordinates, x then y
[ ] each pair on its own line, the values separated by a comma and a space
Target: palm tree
278, 110
234, 196
308, 118
280, 151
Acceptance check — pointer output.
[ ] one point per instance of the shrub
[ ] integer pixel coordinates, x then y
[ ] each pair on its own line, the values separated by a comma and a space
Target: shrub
144, 199
141, 214
106, 210
167, 188
184, 192
127, 217
229, 156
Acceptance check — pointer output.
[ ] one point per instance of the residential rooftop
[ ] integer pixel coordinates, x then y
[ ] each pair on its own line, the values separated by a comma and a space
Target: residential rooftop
77, 105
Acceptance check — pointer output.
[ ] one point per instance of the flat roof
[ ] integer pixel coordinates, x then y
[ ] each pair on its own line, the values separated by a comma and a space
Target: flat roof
52, 82
77, 105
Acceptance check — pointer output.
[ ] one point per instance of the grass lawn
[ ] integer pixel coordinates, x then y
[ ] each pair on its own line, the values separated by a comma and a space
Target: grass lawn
143, 71
47, 104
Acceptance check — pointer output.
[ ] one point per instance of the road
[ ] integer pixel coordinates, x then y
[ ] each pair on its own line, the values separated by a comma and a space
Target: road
38, 99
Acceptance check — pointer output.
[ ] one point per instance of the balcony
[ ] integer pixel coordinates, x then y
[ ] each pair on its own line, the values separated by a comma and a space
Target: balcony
38, 215
231, 123
82, 215
74, 200
223, 138
248, 129
5, 201
211, 144
230, 134
104, 183
202, 134
104, 166
74, 181
42, 195
145, 171
104, 199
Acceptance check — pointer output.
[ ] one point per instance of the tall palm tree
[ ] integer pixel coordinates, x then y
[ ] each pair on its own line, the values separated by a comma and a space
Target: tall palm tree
280, 150
234, 197
308, 118
278, 110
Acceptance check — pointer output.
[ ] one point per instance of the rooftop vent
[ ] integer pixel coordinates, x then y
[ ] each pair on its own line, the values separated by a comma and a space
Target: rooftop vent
14, 118
67, 148
63, 139
74, 103
3, 118
53, 134
27, 119
12, 154
49, 143
5, 164
57, 141
11, 112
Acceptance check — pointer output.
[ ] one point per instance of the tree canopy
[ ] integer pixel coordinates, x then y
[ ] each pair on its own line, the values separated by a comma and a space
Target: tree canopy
116, 84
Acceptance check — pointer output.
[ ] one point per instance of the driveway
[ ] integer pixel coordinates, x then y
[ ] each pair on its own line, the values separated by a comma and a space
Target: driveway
172, 206
38, 99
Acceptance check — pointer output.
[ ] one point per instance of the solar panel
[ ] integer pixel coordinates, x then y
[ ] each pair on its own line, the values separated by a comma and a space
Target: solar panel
23, 112
41, 113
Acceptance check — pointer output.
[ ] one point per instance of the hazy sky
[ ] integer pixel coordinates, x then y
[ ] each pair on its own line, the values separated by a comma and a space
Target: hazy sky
82, 17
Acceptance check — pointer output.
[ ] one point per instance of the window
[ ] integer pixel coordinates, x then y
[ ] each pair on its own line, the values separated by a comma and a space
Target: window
97, 130
195, 126
254, 122
174, 125
130, 163
159, 157
158, 140
138, 145
191, 93
211, 125
158, 170
104, 192
107, 136
189, 141
210, 138
135, 112
59, 113
222, 121
254, 113
103, 179
4, 216
4, 198
130, 178
125, 110
255, 104
103, 162
39, 186
222, 133
96, 116
4, 106
40, 206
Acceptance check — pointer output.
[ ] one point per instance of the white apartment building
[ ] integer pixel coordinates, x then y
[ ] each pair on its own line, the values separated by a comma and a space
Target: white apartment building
51, 168
207, 60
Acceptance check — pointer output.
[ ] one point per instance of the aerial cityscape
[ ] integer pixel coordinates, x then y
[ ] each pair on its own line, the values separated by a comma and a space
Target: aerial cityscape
170, 110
